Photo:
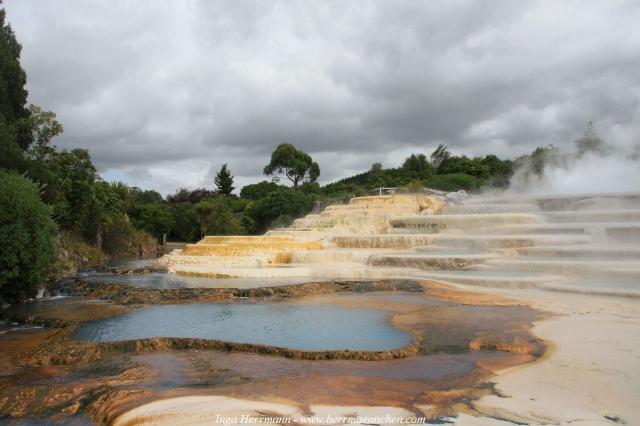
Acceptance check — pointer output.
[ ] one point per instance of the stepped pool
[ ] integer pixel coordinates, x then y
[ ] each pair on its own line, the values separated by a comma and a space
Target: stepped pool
280, 324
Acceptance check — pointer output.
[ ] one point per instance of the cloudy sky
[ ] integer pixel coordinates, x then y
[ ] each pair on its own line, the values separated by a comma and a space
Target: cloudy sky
163, 92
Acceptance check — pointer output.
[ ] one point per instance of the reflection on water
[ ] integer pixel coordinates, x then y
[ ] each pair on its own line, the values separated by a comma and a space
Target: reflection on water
303, 327
165, 281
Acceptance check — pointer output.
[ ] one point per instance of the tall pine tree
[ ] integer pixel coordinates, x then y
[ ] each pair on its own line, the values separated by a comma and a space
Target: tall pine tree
224, 180
14, 134
13, 95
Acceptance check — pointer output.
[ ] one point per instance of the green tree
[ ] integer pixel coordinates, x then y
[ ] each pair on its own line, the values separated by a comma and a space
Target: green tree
224, 180
375, 168
186, 226
256, 191
141, 196
285, 201
11, 155
216, 218
42, 127
26, 237
439, 155
155, 218
296, 165
13, 95
418, 164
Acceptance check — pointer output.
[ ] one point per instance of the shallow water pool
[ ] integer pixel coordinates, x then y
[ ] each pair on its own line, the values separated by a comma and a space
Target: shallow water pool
294, 326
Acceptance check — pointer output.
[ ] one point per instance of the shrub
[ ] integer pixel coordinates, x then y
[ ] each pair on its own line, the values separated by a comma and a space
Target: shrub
26, 237
256, 191
285, 201
216, 218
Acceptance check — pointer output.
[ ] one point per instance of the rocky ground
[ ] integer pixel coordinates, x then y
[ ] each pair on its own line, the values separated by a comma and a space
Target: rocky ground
47, 375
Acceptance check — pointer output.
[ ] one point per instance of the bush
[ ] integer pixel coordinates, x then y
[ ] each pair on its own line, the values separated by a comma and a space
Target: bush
454, 182
256, 191
26, 237
186, 226
120, 239
216, 218
155, 218
285, 201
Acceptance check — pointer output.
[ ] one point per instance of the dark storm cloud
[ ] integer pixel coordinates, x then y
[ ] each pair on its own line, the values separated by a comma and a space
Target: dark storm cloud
162, 93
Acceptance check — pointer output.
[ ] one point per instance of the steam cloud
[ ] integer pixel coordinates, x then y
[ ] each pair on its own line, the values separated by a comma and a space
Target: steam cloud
611, 170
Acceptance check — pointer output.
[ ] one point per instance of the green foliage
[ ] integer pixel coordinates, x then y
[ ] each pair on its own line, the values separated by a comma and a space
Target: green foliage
293, 163
155, 218
224, 180
11, 155
78, 202
534, 163
140, 196
42, 127
248, 223
281, 221
256, 191
184, 195
311, 188
119, 238
216, 218
13, 96
439, 155
26, 237
185, 226
285, 201
418, 164
454, 182
237, 205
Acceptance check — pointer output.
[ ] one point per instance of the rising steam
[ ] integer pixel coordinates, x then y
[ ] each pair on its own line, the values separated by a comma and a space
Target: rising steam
591, 167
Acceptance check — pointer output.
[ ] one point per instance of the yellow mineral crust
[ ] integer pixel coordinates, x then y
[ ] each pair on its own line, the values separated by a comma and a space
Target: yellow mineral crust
239, 255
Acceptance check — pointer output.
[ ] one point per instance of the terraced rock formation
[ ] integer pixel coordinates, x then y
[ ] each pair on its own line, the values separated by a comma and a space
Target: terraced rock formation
588, 243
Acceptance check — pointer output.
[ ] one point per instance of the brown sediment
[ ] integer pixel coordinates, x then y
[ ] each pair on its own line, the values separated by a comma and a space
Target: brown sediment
55, 375
125, 294
442, 290
129, 295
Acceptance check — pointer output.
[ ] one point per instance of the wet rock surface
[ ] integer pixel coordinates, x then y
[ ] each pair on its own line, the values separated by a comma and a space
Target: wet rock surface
458, 339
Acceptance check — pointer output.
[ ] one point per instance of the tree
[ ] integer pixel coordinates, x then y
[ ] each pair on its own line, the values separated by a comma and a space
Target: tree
41, 127
13, 96
418, 164
155, 218
295, 164
145, 196
186, 226
590, 142
256, 191
183, 195
224, 180
284, 201
216, 218
26, 237
439, 155
375, 168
